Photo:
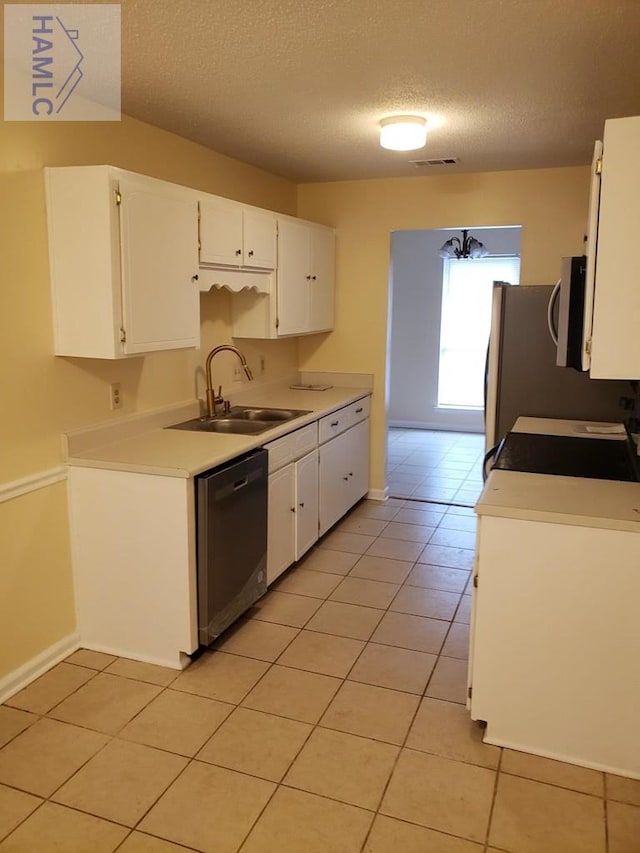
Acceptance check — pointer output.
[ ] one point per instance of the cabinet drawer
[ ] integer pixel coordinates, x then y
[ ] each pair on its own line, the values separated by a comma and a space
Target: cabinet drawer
337, 422
359, 410
292, 446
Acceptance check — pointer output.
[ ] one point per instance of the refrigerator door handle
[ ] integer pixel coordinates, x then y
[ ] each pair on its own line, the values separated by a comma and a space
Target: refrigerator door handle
551, 323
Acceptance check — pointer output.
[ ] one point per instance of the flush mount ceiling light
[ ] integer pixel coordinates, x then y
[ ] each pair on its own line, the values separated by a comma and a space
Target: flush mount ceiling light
403, 133
468, 247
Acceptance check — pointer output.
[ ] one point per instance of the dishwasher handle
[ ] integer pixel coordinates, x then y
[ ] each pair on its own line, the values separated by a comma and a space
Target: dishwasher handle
230, 480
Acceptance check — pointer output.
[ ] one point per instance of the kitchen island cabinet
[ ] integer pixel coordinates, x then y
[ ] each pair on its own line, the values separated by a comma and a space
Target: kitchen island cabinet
555, 635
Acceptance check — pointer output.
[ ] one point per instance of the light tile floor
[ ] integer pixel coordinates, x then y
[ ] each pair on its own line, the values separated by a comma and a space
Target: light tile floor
330, 720
435, 466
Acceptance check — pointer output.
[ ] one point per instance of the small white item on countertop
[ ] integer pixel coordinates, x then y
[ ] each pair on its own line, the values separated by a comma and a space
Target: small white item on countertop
606, 429
310, 387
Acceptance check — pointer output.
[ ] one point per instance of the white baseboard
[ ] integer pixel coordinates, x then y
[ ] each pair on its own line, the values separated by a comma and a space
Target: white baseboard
13, 682
180, 661
436, 426
378, 494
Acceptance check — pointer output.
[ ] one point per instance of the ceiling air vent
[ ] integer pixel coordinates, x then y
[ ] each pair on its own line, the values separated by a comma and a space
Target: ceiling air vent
439, 161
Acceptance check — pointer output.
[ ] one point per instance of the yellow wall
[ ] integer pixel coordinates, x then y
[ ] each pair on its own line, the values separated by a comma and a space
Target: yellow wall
550, 204
44, 395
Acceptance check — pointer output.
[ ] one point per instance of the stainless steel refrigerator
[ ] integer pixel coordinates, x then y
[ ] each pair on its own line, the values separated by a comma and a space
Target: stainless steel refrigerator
522, 377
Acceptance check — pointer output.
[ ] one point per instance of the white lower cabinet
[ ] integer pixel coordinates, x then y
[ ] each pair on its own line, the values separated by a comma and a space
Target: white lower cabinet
344, 473
293, 498
555, 638
293, 513
311, 487
134, 560
281, 527
306, 505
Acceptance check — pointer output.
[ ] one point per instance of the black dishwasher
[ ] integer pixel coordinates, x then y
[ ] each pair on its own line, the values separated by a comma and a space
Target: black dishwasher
231, 535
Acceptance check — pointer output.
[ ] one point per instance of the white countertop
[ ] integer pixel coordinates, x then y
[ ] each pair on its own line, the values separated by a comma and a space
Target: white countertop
573, 429
561, 500
153, 449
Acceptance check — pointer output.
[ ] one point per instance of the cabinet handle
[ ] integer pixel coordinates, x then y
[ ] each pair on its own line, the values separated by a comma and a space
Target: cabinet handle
351, 473
251, 253
313, 277
358, 410
308, 278
238, 251
195, 277
345, 478
293, 509
302, 505
335, 423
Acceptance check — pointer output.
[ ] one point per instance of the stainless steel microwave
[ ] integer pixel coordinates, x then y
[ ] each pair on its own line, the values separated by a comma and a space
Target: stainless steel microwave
570, 294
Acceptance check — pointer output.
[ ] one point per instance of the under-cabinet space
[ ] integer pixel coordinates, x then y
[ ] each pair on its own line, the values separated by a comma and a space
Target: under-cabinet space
124, 263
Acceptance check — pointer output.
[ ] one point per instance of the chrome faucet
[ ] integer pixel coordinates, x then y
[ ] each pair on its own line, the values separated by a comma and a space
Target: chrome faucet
214, 400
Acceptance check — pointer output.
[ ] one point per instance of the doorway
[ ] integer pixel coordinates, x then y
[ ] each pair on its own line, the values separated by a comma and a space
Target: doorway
439, 330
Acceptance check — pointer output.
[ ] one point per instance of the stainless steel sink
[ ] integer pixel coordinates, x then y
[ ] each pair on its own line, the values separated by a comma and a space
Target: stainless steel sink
242, 420
253, 414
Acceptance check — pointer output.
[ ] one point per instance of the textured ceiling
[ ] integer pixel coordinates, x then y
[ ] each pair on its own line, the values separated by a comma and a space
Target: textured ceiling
296, 87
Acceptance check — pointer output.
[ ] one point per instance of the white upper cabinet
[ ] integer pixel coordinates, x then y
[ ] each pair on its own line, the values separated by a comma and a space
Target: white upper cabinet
124, 263
615, 343
322, 265
294, 278
233, 235
306, 275
302, 299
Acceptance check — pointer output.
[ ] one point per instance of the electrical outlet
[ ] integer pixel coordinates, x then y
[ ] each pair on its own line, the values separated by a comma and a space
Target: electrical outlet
115, 393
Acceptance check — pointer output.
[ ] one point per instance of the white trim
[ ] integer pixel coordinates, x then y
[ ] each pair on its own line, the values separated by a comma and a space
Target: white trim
31, 483
432, 425
557, 756
15, 681
178, 663
378, 494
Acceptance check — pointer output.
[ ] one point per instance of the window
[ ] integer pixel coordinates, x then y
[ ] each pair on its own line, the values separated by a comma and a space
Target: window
465, 323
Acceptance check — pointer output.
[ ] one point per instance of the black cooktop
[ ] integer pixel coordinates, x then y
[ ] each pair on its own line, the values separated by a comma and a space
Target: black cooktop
598, 458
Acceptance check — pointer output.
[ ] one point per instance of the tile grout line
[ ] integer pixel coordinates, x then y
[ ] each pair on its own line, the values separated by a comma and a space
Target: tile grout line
493, 799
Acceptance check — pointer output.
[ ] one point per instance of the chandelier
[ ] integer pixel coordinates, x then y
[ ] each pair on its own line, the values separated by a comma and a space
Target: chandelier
468, 247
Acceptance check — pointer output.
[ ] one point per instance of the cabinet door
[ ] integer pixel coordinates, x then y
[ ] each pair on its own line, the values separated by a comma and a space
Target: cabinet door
220, 232
334, 481
159, 259
306, 502
292, 278
281, 526
358, 459
615, 348
259, 240
322, 283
